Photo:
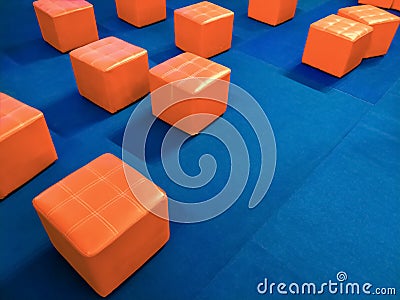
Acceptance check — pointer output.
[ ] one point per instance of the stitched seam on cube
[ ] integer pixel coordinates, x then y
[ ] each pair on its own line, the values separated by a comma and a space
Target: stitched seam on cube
98, 211
124, 194
128, 55
210, 7
82, 190
21, 123
93, 212
373, 14
192, 61
55, 9
116, 188
348, 25
103, 178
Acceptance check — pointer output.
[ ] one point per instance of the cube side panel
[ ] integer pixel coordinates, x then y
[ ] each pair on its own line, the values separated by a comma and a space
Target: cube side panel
396, 5
287, 11
381, 39
187, 34
264, 11
329, 53
216, 37
76, 29
48, 28
90, 83
379, 3
127, 11
127, 83
191, 113
149, 12
107, 270
24, 155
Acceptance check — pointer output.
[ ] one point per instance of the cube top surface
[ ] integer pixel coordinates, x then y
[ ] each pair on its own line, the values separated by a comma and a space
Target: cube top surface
188, 65
343, 27
95, 205
204, 12
15, 115
56, 8
369, 14
108, 53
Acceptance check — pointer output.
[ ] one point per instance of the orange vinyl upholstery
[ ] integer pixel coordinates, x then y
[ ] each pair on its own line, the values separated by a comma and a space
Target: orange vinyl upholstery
66, 25
203, 28
384, 24
111, 72
336, 45
26, 147
96, 220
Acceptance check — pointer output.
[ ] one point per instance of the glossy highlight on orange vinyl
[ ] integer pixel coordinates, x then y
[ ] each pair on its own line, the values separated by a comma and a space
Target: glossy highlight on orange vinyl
26, 147
384, 24
189, 91
97, 222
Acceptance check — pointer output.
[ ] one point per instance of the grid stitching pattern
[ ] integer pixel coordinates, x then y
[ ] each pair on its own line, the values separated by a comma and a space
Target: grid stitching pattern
346, 28
84, 189
175, 65
190, 66
369, 14
204, 12
58, 7
109, 217
93, 213
15, 115
108, 53
188, 62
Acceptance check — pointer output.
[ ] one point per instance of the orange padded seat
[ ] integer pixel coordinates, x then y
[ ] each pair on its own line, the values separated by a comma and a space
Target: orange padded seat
380, 3
141, 13
384, 24
98, 224
197, 92
26, 147
111, 72
272, 12
396, 4
336, 45
66, 25
203, 28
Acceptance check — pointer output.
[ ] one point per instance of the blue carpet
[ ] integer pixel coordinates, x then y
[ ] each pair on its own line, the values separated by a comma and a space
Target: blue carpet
334, 202
344, 207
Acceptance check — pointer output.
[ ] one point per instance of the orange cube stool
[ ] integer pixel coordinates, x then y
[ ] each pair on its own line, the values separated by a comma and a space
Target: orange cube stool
379, 3
111, 72
193, 92
384, 24
66, 25
203, 28
26, 147
272, 12
95, 219
396, 4
141, 13
336, 45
